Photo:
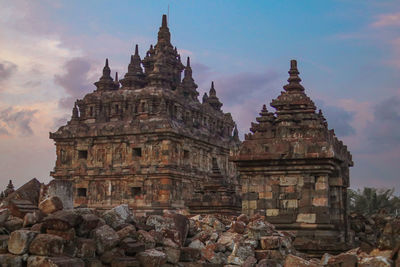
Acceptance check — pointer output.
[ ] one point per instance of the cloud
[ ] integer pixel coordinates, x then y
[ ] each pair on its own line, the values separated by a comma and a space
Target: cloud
385, 20
75, 81
17, 121
338, 118
384, 130
7, 68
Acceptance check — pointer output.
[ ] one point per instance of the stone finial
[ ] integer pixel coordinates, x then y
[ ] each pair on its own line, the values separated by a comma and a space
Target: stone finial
294, 79
105, 82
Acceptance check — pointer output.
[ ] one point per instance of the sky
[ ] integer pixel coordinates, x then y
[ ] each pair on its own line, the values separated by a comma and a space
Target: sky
348, 53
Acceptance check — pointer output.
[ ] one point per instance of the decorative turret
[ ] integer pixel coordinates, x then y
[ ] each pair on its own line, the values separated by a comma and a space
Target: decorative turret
236, 134
264, 122
293, 103
105, 82
9, 189
134, 78
205, 98
213, 99
188, 84
164, 36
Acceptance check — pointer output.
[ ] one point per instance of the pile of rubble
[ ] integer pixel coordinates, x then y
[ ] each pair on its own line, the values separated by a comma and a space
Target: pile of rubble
376, 231
53, 236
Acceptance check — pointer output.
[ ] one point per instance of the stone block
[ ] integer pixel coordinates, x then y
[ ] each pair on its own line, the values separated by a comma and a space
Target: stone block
50, 205
68, 235
286, 181
86, 248
62, 220
306, 218
272, 212
270, 242
321, 201
43, 261
106, 238
292, 260
265, 195
20, 241
289, 203
125, 262
47, 245
10, 260
152, 258
4, 243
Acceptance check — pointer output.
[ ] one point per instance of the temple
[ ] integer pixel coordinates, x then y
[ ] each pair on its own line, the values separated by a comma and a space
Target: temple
295, 171
147, 141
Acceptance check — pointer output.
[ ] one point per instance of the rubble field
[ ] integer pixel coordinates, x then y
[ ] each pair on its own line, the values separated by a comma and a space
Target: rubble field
53, 236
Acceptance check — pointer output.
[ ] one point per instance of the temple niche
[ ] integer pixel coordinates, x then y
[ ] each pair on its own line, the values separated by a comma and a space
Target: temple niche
295, 171
146, 140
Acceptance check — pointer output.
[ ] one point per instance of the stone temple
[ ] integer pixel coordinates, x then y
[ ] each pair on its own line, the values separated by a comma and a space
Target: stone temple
147, 141
295, 171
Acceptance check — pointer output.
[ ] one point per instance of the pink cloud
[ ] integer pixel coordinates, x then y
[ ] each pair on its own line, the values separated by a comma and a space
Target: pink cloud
385, 20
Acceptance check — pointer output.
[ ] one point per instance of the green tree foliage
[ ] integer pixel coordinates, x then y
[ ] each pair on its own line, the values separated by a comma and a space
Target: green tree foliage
372, 200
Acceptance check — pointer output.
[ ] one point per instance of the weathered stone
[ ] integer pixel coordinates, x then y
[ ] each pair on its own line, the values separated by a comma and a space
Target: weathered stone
125, 262
32, 218
43, 261
10, 260
131, 246
47, 245
118, 217
50, 205
62, 220
190, 254
4, 243
68, 235
88, 223
238, 227
105, 237
4, 214
128, 231
292, 260
13, 223
342, 260
147, 239
152, 258
108, 256
86, 248
20, 241
270, 242
173, 254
